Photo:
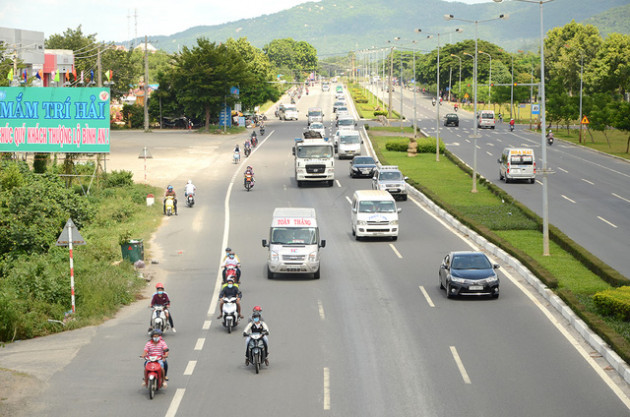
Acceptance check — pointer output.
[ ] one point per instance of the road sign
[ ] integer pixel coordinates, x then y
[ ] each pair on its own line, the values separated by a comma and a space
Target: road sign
535, 108
585, 120
466, 95
225, 117
64, 237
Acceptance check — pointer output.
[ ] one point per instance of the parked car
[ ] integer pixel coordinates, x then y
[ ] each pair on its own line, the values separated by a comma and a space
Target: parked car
451, 119
468, 273
362, 166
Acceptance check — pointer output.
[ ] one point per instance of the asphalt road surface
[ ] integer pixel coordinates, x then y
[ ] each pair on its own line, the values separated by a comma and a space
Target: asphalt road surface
375, 336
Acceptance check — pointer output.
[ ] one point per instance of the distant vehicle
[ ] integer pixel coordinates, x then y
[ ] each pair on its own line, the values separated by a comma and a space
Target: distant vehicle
347, 143
345, 121
485, 119
339, 89
338, 103
468, 273
315, 114
318, 127
389, 178
341, 111
451, 119
362, 166
288, 112
517, 164
314, 160
340, 97
325, 87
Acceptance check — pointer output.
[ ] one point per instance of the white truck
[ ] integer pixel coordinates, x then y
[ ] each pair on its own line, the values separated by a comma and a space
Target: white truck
314, 159
293, 242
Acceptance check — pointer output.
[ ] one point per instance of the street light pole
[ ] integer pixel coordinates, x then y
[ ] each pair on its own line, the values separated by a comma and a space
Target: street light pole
489, 76
460, 76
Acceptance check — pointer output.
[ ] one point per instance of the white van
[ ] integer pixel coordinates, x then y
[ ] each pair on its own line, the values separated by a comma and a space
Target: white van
288, 112
485, 119
517, 164
374, 213
293, 242
348, 143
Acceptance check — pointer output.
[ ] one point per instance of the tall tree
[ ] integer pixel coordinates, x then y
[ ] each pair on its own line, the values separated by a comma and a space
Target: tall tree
610, 70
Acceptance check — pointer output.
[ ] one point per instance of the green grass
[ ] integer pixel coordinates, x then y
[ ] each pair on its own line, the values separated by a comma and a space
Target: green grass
366, 110
614, 142
405, 129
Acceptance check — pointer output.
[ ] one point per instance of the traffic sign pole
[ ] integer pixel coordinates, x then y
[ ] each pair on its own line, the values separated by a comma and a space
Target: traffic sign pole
71, 268
66, 239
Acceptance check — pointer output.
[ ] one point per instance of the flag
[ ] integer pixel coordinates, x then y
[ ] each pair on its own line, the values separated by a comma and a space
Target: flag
10, 75
91, 75
108, 75
57, 76
74, 72
25, 76
38, 74
67, 76
81, 77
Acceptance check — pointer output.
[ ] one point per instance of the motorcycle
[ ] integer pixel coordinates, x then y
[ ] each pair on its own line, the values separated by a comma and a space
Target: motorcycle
456, 108
236, 157
153, 375
511, 128
159, 319
230, 315
550, 139
254, 141
190, 200
433, 102
256, 350
262, 130
169, 205
248, 182
230, 271
248, 151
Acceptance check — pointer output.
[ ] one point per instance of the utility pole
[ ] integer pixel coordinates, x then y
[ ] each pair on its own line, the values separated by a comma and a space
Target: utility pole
146, 85
99, 77
391, 74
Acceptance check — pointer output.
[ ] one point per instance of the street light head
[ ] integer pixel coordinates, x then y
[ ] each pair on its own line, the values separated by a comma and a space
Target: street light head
448, 16
459, 30
397, 38
504, 16
498, 1
417, 30
429, 36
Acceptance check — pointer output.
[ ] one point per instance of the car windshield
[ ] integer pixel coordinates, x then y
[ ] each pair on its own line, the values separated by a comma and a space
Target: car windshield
377, 207
293, 236
290, 108
471, 261
339, 103
317, 125
346, 122
391, 176
314, 113
349, 139
321, 151
342, 109
364, 160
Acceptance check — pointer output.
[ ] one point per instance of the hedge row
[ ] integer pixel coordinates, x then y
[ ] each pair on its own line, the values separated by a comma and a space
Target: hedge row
614, 302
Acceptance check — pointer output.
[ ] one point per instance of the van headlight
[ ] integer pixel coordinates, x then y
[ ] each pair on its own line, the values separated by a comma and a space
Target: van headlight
393, 222
312, 257
361, 222
275, 257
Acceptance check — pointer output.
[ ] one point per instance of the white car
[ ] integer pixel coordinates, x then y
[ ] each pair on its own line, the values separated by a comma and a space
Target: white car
318, 127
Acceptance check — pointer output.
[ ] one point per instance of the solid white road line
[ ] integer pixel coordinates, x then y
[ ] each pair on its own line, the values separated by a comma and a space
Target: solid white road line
618, 196
177, 399
338, 183
320, 307
567, 198
190, 368
563, 170
606, 221
588, 182
391, 245
206, 324
200, 342
460, 365
426, 296
326, 389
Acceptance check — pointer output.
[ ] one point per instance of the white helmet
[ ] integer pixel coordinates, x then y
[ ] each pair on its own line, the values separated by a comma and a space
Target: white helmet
549, 130
189, 181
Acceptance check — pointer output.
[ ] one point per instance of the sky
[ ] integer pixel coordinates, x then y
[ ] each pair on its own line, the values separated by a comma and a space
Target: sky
115, 20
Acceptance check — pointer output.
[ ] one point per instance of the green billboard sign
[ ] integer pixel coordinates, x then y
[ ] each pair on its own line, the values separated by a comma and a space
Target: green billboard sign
54, 119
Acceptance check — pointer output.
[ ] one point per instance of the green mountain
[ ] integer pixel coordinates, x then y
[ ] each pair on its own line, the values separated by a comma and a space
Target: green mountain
338, 26
614, 20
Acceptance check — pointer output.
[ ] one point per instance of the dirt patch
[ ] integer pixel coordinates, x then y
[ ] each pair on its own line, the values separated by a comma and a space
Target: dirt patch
17, 387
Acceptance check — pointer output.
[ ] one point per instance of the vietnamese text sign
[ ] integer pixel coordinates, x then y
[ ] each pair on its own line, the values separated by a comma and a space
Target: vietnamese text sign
54, 119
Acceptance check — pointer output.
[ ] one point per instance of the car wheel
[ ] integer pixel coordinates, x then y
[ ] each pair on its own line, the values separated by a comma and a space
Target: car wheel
404, 197
448, 291
532, 180
269, 273
394, 238
440, 281
299, 183
495, 296
316, 274
500, 176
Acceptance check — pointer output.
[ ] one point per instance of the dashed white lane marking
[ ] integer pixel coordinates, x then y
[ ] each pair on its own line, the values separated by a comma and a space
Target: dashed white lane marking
539, 182
349, 201
338, 183
320, 307
206, 324
326, 389
489, 153
490, 144
588, 182
200, 342
177, 399
391, 245
460, 365
606, 221
563, 170
618, 196
426, 296
190, 368
567, 198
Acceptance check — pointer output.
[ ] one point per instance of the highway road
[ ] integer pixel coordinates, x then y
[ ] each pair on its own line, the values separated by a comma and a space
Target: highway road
374, 336
589, 193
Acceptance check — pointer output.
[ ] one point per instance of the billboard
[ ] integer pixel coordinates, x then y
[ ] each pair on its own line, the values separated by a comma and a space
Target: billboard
54, 119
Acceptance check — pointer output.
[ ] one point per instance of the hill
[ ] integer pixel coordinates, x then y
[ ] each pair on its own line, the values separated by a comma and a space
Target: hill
613, 20
338, 26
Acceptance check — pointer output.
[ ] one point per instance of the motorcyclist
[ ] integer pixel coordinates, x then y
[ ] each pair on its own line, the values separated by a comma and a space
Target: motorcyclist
257, 325
170, 192
500, 117
156, 346
249, 170
256, 309
160, 298
230, 290
433, 101
247, 145
512, 124
229, 251
231, 260
254, 138
455, 106
550, 136
189, 188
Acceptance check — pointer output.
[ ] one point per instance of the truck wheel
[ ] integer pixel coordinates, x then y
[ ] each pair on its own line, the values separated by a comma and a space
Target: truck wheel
299, 183
269, 273
316, 274
331, 183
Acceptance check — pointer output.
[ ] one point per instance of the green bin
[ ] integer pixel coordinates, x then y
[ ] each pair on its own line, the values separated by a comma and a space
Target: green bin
133, 250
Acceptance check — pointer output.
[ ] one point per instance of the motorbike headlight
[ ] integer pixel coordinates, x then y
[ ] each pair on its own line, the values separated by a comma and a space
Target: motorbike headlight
275, 257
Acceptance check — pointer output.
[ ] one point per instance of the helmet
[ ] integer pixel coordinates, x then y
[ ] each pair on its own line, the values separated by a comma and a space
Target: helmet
170, 187
189, 181
258, 309
159, 285
228, 249
156, 332
549, 130
249, 167
230, 279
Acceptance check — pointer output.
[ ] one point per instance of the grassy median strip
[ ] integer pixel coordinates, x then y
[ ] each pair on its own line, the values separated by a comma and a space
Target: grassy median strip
505, 222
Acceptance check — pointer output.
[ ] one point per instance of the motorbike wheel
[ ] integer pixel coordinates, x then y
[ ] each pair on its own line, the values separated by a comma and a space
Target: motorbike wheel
152, 388
257, 361
229, 326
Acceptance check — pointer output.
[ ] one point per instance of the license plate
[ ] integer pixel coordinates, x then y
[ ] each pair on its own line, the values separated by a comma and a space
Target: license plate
475, 287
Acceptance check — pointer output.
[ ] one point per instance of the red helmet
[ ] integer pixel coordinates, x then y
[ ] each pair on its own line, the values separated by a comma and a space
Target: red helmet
159, 285
257, 309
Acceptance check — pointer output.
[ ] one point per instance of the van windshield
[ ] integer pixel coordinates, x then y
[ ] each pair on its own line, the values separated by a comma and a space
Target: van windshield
315, 113
346, 122
487, 116
294, 236
290, 108
377, 207
346, 140
522, 160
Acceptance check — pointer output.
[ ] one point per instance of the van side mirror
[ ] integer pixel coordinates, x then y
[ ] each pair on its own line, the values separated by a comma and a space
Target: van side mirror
399, 209
264, 243
354, 210
322, 244
293, 151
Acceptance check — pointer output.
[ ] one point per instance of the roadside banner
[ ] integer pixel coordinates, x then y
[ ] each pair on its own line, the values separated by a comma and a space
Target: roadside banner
54, 119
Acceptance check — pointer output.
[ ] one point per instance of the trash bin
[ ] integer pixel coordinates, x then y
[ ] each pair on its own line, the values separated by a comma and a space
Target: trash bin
133, 250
